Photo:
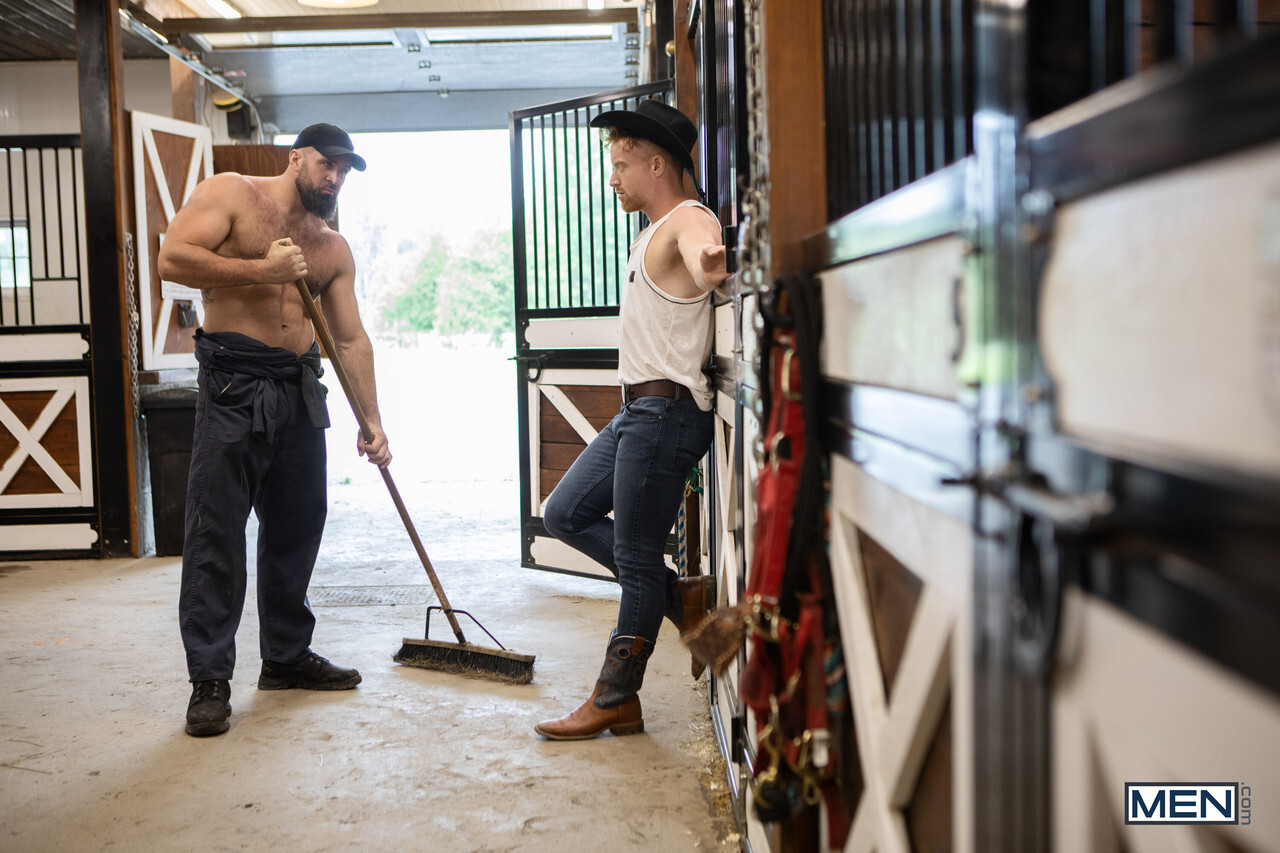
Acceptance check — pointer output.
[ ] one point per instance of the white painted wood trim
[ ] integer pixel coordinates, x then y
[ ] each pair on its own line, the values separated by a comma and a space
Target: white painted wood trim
890, 320
552, 552
1147, 708
727, 503
47, 537
1169, 355
57, 346
584, 332
579, 376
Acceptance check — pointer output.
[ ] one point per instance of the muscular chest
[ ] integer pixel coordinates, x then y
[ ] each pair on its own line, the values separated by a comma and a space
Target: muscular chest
252, 235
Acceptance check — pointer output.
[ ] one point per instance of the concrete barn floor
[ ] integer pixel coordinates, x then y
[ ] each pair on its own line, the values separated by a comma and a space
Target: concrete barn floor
93, 755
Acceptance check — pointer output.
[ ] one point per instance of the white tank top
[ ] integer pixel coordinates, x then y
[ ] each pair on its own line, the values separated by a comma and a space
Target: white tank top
663, 336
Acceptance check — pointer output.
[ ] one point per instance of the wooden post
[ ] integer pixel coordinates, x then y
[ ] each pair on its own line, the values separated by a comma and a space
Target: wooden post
792, 62
686, 71
183, 91
686, 63
105, 149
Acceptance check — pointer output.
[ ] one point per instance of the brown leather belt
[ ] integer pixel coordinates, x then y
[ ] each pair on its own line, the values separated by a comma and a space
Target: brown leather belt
654, 388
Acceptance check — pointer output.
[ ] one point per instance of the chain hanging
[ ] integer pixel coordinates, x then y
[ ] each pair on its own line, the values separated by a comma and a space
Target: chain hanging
134, 320
753, 234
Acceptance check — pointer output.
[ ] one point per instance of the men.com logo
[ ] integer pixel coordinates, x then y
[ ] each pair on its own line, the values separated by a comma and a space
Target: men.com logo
1186, 802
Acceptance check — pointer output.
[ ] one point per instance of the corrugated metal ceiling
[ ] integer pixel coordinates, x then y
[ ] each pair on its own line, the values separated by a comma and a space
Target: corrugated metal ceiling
368, 72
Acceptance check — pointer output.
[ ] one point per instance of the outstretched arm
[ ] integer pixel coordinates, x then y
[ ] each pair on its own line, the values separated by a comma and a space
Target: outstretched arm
189, 254
342, 315
702, 249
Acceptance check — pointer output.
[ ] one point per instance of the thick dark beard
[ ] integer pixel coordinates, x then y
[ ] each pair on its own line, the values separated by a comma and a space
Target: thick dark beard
314, 200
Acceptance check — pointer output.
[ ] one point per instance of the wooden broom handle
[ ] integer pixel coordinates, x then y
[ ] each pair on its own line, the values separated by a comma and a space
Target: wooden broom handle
326, 340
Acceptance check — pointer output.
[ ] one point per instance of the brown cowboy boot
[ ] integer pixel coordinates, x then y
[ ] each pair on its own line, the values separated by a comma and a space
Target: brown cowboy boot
690, 600
614, 703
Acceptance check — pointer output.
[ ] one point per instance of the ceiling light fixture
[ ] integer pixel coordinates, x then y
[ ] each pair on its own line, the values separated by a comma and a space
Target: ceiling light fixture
337, 4
595, 4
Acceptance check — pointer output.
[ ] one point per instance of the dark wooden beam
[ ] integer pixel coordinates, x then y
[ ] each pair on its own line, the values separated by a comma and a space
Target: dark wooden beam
663, 38
404, 20
102, 131
797, 132
686, 63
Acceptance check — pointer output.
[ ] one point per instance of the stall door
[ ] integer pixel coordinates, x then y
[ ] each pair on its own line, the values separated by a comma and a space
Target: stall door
47, 501
169, 158
571, 241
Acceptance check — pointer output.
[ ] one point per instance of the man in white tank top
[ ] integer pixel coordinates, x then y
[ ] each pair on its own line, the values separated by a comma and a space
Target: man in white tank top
637, 466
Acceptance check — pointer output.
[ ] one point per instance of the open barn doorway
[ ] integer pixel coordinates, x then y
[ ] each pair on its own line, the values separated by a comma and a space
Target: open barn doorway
429, 225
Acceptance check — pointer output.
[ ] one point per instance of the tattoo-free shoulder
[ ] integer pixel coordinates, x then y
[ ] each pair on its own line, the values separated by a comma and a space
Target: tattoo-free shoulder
695, 217
228, 188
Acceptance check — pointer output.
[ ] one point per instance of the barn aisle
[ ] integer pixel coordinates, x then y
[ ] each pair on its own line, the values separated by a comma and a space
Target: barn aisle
93, 755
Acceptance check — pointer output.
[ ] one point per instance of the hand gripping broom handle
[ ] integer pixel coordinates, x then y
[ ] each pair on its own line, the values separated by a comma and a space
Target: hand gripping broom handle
326, 339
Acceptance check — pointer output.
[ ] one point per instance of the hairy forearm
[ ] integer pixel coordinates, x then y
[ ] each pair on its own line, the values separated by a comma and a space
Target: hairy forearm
200, 268
357, 360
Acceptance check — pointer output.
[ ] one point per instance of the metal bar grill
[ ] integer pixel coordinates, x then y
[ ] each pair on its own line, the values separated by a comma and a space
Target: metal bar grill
1121, 38
575, 240
899, 94
41, 212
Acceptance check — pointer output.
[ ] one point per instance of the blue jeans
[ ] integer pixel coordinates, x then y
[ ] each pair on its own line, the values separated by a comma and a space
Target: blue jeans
636, 467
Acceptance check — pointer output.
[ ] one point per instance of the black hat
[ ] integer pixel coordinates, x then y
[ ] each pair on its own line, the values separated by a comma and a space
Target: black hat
662, 125
331, 141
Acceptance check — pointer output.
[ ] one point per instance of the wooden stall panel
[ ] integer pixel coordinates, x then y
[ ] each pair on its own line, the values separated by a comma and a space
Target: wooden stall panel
568, 408
1131, 705
892, 320
1160, 316
169, 159
570, 416
45, 442
903, 576
731, 524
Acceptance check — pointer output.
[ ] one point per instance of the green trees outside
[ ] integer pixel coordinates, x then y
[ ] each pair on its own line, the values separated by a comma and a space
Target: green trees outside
457, 289
577, 236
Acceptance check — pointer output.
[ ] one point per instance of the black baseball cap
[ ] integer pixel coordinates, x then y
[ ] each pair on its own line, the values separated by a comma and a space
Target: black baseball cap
331, 141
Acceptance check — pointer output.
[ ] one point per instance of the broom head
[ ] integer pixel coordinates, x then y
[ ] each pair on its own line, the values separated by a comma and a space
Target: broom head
467, 659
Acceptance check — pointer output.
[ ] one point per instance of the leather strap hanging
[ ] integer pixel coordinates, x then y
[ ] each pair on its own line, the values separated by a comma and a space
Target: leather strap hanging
787, 616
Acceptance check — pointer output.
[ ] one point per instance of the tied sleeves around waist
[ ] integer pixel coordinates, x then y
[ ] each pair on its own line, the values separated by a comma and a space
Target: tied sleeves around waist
242, 354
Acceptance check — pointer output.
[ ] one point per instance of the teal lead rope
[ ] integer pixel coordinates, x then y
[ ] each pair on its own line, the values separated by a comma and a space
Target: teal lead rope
691, 485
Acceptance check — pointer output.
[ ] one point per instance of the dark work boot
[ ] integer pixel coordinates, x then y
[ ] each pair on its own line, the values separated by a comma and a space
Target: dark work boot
688, 601
209, 708
310, 672
614, 704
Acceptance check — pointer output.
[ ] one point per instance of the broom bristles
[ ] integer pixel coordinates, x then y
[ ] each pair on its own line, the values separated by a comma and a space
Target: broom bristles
467, 659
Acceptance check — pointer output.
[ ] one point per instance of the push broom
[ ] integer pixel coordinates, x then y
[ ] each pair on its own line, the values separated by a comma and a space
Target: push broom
461, 657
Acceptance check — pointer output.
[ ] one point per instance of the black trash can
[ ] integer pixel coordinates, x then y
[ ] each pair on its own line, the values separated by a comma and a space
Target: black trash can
171, 421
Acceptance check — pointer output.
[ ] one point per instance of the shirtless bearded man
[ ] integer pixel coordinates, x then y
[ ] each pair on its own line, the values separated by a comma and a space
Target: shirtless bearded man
260, 415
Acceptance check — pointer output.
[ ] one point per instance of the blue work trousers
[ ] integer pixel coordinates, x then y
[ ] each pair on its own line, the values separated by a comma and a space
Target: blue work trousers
636, 467
235, 470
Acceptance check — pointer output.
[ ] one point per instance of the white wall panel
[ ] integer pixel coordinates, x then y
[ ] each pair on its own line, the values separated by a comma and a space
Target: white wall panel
44, 97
